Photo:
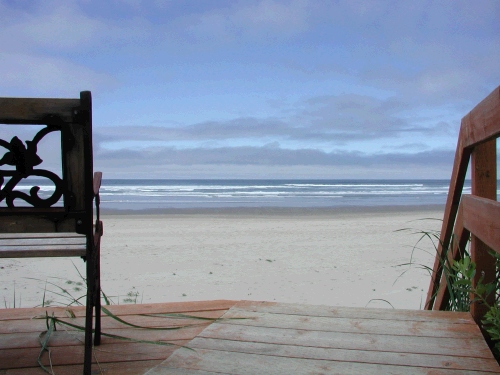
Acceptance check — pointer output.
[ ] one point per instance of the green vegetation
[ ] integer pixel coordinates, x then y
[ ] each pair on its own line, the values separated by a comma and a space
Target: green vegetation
459, 277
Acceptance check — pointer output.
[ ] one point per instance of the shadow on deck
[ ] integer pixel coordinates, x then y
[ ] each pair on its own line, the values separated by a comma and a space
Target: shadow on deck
251, 338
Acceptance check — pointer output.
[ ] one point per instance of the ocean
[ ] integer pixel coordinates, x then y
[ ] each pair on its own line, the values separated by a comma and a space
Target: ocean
132, 194
181, 194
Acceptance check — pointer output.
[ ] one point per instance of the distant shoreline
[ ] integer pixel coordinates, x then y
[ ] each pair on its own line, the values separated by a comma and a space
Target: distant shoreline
279, 211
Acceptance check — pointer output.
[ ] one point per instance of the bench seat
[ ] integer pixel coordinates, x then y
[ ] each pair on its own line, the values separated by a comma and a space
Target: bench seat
31, 245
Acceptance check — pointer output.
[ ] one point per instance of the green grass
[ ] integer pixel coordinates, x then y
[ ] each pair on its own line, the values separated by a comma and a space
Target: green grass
459, 277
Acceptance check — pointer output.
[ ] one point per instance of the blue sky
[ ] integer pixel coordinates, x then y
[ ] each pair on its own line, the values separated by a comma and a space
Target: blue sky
260, 89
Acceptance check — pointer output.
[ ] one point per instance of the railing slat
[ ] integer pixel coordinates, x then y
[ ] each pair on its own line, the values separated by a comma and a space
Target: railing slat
482, 217
459, 241
483, 122
462, 157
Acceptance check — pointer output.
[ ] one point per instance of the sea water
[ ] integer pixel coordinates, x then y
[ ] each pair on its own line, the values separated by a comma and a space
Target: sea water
135, 194
178, 194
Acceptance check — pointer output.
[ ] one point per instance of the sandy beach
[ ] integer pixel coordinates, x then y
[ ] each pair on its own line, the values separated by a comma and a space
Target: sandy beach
338, 257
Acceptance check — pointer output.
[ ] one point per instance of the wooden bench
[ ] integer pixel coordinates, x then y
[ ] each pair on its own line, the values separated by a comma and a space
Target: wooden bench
61, 222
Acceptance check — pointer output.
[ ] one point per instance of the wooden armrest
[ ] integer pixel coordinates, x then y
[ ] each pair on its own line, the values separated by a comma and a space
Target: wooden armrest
97, 182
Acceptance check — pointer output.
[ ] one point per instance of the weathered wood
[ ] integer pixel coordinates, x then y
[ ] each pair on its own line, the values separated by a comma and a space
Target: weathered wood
480, 125
274, 338
483, 122
288, 338
189, 308
343, 355
355, 312
215, 361
36, 223
458, 175
42, 245
19, 337
63, 338
40, 241
43, 251
35, 110
483, 184
459, 240
49, 235
350, 325
69, 355
110, 368
482, 217
471, 347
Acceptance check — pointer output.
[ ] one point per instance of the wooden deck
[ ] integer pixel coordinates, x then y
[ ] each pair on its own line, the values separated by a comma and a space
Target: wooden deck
254, 338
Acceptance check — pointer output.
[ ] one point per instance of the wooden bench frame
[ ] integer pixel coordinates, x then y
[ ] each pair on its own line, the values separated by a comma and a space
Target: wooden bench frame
39, 226
475, 216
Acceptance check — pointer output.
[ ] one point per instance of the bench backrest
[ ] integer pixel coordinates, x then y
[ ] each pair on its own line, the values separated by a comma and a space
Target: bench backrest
69, 208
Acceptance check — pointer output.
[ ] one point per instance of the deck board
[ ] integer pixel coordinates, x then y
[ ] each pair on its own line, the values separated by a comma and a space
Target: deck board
253, 338
276, 338
20, 330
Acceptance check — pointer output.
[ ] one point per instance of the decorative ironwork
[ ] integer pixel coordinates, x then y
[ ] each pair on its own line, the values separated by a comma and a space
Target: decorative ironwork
24, 158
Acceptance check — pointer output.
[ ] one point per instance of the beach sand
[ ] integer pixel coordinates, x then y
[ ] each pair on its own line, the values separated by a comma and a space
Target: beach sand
338, 257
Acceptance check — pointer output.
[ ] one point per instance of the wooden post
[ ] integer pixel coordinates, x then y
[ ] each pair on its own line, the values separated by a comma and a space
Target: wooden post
484, 184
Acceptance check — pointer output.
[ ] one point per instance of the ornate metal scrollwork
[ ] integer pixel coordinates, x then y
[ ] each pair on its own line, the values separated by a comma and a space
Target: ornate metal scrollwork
24, 158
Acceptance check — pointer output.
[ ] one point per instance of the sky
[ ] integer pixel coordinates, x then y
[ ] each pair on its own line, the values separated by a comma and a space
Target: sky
260, 88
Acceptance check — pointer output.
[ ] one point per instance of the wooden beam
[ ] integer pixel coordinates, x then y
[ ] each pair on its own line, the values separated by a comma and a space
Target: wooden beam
483, 184
482, 217
34, 110
460, 238
479, 125
457, 180
483, 122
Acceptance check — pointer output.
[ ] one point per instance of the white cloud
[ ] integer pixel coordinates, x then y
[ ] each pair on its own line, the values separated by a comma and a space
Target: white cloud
32, 75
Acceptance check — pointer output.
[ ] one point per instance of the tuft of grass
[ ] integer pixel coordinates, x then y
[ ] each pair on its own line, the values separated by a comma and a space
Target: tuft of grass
459, 275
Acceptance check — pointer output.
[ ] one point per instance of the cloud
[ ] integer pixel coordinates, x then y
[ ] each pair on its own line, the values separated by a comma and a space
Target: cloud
263, 20
272, 155
321, 121
32, 75
240, 162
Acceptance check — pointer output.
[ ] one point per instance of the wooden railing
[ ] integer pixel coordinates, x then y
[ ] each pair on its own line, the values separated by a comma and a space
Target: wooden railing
475, 216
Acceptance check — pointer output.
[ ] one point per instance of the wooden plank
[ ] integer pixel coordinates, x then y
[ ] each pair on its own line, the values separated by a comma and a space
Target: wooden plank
458, 174
188, 307
351, 325
482, 217
356, 312
251, 364
36, 223
459, 241
34, 110
359, 356
483, 184
470, 347
122, 353
72, 355
32, 242
55, 235
110, 368
68, 337
42, 251
483, 122
38, 324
